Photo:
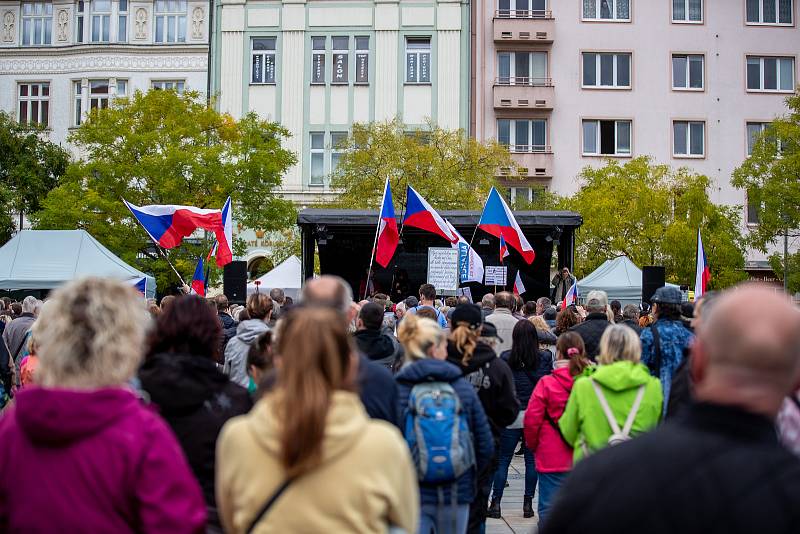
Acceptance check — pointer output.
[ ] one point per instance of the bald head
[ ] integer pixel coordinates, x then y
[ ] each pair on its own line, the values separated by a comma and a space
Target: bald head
747, 351
330, 291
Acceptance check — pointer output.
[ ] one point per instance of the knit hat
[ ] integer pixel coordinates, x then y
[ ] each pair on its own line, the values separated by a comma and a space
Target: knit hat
468, 313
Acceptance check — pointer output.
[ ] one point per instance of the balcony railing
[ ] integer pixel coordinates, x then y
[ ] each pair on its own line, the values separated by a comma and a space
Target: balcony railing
529, 149
524, 80
523, 14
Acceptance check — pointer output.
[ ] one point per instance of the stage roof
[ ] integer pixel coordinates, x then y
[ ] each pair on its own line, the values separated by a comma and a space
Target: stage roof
456, 217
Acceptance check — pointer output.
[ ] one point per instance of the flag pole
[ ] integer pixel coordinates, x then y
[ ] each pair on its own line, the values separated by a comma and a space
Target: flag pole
375, 241
399, 237
158, 247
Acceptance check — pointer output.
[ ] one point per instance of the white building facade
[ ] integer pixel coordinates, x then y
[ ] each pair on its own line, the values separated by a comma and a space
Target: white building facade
61, 58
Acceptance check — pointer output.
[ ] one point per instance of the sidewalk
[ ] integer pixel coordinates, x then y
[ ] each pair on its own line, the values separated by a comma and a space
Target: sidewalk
512, 521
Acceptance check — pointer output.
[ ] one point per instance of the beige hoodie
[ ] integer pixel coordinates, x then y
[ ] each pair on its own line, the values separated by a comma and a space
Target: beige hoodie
366, 481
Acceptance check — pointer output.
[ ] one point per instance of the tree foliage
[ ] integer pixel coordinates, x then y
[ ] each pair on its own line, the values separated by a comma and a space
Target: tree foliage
30, 166
164, 148
651, 214
449, 168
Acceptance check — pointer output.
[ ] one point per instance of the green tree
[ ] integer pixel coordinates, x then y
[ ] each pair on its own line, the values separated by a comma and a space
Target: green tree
164, 148
771, 177
651, 214
30, 166
449, 168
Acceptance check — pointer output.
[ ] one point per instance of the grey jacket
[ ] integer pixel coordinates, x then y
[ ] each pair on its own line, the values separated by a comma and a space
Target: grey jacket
15, 331
505, 322
238, 347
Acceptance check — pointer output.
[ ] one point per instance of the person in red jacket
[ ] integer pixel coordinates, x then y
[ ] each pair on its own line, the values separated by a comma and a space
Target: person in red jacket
553, 455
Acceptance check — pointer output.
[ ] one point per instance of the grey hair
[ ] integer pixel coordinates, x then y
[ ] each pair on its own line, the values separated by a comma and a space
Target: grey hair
630, 312
488, 301
619, 343
277, 295
601, 301
29, 304
544, 302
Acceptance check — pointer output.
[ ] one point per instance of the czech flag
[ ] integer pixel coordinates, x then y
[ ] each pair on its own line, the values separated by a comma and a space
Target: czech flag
140, 284
167, 225
388, 236
571, 297
223, 250
503, 248
470, 264
199, 279
497, 219
703, 273
519, 287
420, 214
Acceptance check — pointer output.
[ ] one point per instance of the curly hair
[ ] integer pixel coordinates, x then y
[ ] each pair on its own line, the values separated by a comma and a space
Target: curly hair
565, 320
188, 326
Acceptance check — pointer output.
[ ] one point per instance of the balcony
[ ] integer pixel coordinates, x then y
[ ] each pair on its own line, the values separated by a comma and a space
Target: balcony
523, 93
531, 160
522, 26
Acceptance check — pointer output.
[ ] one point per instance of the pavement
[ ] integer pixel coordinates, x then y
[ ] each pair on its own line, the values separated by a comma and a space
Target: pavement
512, 521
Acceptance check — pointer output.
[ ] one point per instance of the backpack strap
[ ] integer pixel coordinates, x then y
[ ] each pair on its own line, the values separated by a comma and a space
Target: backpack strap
626, 430
655, 366
612, 421
268, 504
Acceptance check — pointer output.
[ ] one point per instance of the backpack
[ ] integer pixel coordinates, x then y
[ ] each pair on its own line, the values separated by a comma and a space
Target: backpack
617, 436
437, 432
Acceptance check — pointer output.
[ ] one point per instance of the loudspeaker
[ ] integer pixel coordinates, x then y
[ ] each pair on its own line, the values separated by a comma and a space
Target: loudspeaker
653, 277
234, 282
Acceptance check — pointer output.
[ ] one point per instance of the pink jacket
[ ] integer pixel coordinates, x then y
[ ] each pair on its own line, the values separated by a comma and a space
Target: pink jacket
552, 454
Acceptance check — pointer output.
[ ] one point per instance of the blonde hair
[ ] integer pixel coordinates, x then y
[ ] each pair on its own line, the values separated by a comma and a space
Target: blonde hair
619, 343
465, 339
418, 335
539, 322
90, 335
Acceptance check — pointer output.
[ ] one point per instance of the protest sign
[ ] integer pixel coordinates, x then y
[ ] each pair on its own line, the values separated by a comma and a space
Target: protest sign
443, 270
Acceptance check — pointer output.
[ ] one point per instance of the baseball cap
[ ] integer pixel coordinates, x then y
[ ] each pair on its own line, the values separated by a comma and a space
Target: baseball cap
490, 330
667, 295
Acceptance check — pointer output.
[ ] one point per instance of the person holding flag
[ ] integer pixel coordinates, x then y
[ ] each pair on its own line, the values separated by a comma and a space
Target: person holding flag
386, 236
561, 283
702, 273
571, 296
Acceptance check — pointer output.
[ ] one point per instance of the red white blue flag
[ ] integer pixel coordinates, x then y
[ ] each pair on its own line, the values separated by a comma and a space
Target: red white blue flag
571, 296
703, 273
224, 258
199, 279
420, 214
497, 219
503, 248
388, 236
519, 287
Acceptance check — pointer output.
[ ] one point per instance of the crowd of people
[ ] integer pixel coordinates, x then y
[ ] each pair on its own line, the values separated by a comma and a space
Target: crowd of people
330, 415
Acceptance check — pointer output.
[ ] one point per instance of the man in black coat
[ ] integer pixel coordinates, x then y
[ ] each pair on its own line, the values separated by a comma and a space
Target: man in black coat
225, 319
630, 317
378, 346
596, 322
719, 468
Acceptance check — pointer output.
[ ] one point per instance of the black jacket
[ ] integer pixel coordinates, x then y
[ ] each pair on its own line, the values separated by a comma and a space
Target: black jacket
378, 391
195, 399
525, 380
493, 381
228, 329
381, 348
718, 469
632, 324
591, 330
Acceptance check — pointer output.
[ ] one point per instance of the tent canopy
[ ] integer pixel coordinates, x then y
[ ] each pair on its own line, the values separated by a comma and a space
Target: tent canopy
286, 276
619, 278
46, 259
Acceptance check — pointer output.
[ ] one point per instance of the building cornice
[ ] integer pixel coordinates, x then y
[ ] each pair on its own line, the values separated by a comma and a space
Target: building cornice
88, 58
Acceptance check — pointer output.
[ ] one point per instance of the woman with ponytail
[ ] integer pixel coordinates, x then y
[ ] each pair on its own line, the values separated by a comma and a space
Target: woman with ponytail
553, 456
307, 458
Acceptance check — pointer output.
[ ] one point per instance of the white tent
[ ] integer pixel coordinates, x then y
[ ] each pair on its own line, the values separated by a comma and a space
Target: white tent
46, 259
619, 278
286, 276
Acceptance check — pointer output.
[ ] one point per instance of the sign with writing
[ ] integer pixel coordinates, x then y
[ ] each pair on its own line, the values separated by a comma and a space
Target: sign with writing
443, 269
466, 292
496, 275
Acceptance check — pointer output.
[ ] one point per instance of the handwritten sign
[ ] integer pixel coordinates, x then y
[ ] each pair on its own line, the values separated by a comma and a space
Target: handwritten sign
465, 292
443, 269
496, 275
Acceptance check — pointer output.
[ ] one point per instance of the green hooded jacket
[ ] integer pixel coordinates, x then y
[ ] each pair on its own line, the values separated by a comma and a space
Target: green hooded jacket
584, 420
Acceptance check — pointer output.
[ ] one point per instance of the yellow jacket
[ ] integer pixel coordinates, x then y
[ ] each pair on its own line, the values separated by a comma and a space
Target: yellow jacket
365, 484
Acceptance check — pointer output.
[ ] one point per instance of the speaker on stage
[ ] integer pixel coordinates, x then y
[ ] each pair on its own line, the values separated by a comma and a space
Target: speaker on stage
234, 282
653, 277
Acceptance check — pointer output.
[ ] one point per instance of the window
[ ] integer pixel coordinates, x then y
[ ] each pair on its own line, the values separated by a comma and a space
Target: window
770, 74
687, 10
78, 103
688, 138
362, 59
756, 129
317, 158
99, 96
619, 10
522, 9
418, 60
168, 85
337, 140
523, 135
522, 68
262, 62
606, 137
34, 103
606, 70
170, 21
318, 59
769, 12
687, 71
101, 20
341, 48
753, 210
37, 23
122, 22
80, 11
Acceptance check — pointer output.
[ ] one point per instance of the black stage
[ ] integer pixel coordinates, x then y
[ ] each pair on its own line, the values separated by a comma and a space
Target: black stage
345, 238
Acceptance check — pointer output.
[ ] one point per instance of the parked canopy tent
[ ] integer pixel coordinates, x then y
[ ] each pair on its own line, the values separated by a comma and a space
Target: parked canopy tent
46, 259
286, 276
619, 278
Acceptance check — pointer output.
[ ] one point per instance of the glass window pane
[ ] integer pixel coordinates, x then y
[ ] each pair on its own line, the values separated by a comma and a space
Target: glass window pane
623, 70
753, 73
123, 5
23, 90
769, 13
605, 9
786, 74
539, 128
45, 89
170, 29
539, 73
23, 111
678, 71
318, 43
340, 68
589, 9
590, 137
770, 73
341, 43
106, 26
785, 11
623, 10
752, 10
37, 31
696, 131
678, 10
752, 212
503, 67
318, 68
362, 43
606, 69
45, 112
159, 29
318, 140
48, 24
504, 7
753, 130
696, 72
269, 69
521, 66
122, 31
589, 69
122, 87
411, 67
521, 136
181, 29
362, 68
504, 131
337, 138
623, 137
257, 69
679, 137
317, 168
696, 10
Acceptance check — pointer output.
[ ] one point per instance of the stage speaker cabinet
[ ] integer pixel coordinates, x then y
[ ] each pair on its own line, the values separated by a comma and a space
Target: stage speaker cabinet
234, 282
653, 277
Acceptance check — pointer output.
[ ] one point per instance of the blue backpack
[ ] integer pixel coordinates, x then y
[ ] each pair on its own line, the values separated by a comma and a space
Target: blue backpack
437, 432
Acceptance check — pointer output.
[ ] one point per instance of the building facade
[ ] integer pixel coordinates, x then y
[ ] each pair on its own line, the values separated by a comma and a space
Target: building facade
318, 66
62, 58
566, 84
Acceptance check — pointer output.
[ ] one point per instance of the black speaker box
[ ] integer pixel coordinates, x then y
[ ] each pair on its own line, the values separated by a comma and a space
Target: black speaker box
234, 282
653, 277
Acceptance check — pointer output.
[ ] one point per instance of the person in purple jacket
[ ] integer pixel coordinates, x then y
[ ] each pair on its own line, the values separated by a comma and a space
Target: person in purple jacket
80, 452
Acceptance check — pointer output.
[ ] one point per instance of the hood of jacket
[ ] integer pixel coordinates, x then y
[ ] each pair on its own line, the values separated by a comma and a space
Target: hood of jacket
249, 330
61, 416
620, 376
374, 344
180, 383
563, 377
345, 424
428, 370
482, 354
